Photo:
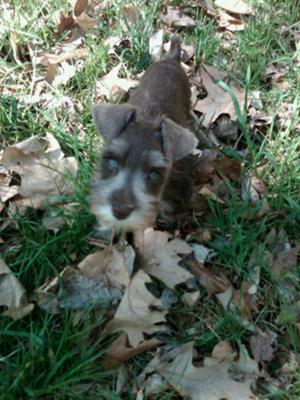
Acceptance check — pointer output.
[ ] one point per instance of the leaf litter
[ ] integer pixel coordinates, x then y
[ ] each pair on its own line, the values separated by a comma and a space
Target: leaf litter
12, 294
106, 279
216, 379
45, 173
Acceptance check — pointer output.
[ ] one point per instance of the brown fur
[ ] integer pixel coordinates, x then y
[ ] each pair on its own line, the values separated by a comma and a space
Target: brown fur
145, 137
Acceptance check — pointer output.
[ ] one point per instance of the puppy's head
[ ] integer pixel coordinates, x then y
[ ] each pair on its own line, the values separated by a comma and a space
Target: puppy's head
134, 167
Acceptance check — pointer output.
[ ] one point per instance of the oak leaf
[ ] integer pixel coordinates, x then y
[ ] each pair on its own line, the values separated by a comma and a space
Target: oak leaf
162, 256
13, 294
217, 101
213, 381
139, 312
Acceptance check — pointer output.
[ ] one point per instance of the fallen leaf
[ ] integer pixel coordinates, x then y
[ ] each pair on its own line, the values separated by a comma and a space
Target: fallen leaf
85, 22
207, 192
139, 312
213, 381
217, 101
112, 42
208, 7
234, 6
202, 253
261, 345
154, 385
223, 351
43, 170
108, 266
285, 260
252, 188
291, 365
50, 73
156, 45
259, 119
226, 129
77, 54
212, 282
12, 294
161, 256
230, 23
190, 298
7, 191
112, 87
79, 7
66, 23
242, 300
277, 76
123, 379
72, 290
120, 351
175, 17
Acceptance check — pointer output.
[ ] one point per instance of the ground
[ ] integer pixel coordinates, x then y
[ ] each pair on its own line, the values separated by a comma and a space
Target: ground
60, 356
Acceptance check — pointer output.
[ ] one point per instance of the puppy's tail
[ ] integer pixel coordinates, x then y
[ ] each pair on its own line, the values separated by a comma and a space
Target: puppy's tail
175, 49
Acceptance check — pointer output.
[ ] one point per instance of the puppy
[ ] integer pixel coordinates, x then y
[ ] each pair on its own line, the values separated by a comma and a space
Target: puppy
144, 139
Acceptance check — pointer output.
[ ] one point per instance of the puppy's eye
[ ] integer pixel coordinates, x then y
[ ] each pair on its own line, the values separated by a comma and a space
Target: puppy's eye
112, 164
154, 176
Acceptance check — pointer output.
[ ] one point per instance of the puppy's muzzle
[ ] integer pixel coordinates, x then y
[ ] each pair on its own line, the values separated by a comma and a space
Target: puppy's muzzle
122, 203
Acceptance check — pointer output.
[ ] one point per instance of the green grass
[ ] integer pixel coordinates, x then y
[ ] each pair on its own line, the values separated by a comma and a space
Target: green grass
53, 357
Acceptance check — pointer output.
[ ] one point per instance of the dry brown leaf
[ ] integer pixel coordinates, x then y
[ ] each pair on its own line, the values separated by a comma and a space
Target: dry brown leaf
72, 290
234, 6
156, 45
261, 346
7, 191
79, 7
285, 260
277, 76
76, 54
161, 256
242, 300
108, 266
207, 192
66, 23
112, 87
213, 381
217, 101
120, 351
226, 129
230, 23
12, 294
43, 170
175, 17
138, 312
85, 22
50, 73
213, 283
208, 7
252, 188
59, 69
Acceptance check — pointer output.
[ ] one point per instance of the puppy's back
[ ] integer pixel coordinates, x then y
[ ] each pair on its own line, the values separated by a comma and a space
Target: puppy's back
164, 90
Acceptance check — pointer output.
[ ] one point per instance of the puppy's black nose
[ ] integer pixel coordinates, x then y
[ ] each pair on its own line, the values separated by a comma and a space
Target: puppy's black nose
122, 202
122, 211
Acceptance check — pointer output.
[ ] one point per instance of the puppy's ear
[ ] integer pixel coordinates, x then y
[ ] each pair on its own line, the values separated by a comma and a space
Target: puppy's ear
111, 119
178, 142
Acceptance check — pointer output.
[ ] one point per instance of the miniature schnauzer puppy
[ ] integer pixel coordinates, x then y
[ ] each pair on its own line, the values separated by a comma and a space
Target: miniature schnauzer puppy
144, 137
